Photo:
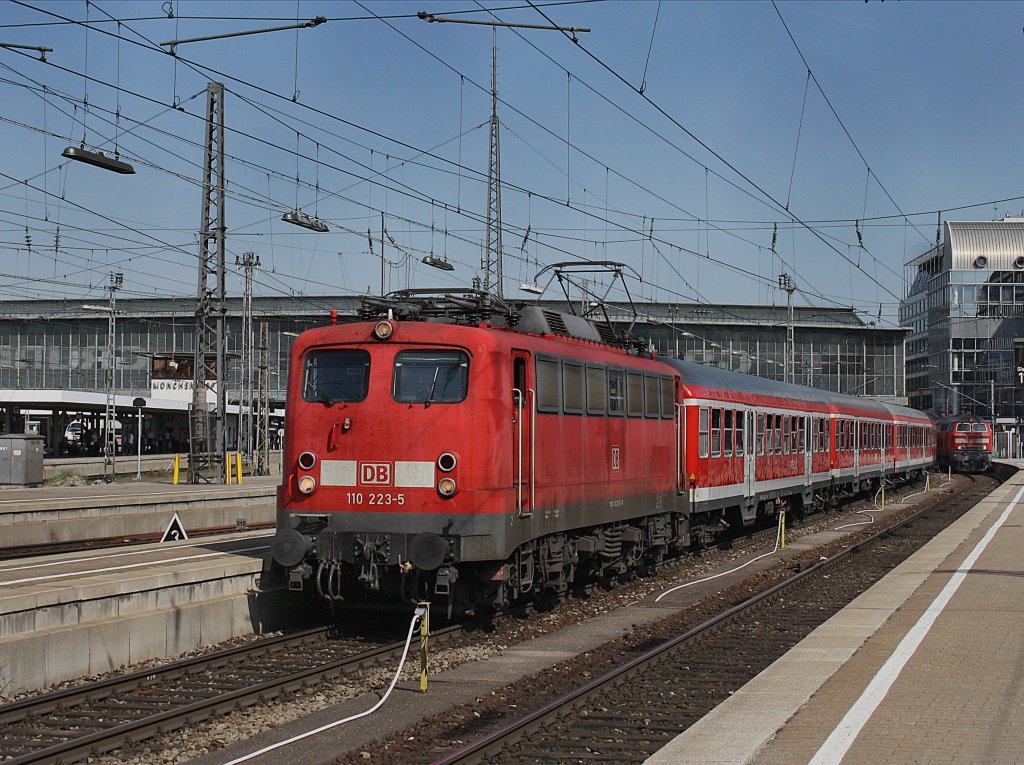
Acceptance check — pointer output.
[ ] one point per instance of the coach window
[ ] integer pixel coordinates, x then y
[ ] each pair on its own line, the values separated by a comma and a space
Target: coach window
716, 432
549, 385
760, 434
572, 387
331, 376
597, 390
668, 398
616, 392
787, 438
652, 397
702, 432
805, 424
778, 434
727, 434
740, 433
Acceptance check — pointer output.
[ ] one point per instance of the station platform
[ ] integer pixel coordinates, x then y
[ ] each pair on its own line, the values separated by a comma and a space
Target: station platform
70, 615
927, 666
56, 514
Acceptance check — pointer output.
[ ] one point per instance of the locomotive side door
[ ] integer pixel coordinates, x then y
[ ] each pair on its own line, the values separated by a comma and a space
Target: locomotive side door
524, 419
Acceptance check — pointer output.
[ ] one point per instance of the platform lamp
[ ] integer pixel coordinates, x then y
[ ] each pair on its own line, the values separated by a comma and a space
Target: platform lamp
138, 403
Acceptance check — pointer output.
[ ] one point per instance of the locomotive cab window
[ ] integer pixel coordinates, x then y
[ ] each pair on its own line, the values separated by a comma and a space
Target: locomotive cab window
616, 392
430, 377
332, 376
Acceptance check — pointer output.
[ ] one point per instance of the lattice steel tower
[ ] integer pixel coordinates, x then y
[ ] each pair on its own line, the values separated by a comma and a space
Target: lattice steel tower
206, 429
490, 263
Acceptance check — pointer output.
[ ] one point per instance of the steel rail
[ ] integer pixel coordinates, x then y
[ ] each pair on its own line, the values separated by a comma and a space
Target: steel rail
508, 734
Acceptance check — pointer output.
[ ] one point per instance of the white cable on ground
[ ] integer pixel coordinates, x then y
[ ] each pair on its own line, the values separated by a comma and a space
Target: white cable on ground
394, 681
871, 518
778, 540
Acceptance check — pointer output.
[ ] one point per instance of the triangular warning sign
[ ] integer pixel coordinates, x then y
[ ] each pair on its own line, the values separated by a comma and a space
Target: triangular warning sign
175, 530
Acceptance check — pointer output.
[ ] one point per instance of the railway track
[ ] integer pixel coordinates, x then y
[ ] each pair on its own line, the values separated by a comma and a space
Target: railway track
72, 724
666, 678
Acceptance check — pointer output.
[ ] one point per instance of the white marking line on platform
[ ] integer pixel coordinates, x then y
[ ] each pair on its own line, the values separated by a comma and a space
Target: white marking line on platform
841, 739
146, 551
150, 563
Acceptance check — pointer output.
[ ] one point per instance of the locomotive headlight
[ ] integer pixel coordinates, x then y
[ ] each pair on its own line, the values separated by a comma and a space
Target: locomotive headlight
383, 329
307, 484
447, 462
446, 487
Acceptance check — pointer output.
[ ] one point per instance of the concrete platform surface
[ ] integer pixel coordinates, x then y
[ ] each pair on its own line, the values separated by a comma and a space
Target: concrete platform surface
925, 667
72, 615
56, 514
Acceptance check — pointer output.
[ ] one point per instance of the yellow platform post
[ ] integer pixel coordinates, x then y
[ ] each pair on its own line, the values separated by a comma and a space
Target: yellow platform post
238, 468
227, 468
177, 468
424, 635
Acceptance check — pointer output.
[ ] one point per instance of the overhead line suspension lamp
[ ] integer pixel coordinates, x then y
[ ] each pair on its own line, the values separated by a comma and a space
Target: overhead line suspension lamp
301, 219
98, 159
436, 262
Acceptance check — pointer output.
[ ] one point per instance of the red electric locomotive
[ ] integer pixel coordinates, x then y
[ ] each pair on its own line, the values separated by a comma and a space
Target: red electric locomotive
964, 443
454, 449
459, 459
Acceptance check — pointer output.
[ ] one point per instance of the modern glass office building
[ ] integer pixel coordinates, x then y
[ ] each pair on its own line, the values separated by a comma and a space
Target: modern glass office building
965, 313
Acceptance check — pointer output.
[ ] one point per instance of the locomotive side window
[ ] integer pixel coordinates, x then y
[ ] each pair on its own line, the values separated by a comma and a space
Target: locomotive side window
597, 390
616, 392
572, 387
635, 394
652, 396
702, 432
549, 385
668, 398
331, 376
430, 377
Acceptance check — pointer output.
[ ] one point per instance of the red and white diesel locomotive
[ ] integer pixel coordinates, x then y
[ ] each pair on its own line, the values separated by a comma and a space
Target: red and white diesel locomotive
964, 443
457, 450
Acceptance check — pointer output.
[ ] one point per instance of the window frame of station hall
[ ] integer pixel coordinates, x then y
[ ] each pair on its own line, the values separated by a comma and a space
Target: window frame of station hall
965, 312
57, 345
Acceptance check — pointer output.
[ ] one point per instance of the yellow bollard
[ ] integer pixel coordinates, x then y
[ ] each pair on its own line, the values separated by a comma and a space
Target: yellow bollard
238, 468
227, 468
883, 495
782, 527
424, 635
177, 468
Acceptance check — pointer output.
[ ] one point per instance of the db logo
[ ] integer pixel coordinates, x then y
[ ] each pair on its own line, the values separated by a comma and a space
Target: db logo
375, 473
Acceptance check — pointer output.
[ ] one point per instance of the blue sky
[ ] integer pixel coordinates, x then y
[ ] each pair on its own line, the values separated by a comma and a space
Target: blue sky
379, 112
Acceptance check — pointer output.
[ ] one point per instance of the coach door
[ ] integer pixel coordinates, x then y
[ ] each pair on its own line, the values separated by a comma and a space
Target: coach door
749, 465
808, 450
524, 418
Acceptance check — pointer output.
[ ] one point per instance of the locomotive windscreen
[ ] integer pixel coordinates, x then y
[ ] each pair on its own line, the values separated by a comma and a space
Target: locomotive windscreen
336, 375
423, 377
